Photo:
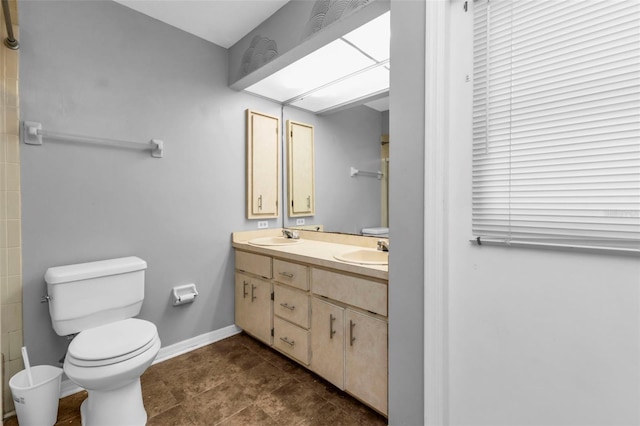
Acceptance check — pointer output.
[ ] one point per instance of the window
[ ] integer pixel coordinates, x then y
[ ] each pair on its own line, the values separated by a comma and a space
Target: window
556, 123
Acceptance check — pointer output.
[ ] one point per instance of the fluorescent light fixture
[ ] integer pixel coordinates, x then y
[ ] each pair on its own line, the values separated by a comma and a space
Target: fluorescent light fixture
323, 66
381, 104
373, 37
349, 69
359, 86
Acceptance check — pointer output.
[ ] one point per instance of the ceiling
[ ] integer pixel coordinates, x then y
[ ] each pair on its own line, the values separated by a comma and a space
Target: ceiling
224, 22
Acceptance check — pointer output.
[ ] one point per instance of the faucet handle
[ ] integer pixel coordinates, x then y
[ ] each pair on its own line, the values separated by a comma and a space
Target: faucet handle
383, 245
287, 233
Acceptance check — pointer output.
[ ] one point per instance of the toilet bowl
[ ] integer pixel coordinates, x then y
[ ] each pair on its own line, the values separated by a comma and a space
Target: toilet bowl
111, 349
108, 361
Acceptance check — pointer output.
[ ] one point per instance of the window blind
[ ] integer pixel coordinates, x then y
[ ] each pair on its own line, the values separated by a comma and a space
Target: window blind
556, 123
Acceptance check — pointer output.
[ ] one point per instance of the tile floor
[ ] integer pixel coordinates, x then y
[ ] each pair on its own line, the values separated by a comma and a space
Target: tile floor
236, 381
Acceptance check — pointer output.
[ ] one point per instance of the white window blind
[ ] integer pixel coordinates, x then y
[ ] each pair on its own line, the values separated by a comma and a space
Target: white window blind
556, 123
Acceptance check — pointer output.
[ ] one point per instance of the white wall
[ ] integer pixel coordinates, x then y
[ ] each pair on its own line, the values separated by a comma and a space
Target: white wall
537, 337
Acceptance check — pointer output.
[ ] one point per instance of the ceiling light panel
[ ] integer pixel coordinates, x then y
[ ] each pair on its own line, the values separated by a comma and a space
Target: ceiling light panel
373, 37
367, 83
320, 67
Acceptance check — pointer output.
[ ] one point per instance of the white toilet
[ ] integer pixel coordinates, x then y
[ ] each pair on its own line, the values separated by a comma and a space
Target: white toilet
380, 232
97, 300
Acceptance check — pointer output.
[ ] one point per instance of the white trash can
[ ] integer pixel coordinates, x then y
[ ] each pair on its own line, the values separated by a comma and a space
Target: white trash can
37, 405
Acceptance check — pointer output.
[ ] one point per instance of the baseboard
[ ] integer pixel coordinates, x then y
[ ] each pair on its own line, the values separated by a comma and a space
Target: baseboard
67, 387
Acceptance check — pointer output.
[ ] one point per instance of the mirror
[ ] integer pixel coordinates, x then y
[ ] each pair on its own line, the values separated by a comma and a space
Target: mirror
337, 90
349, 139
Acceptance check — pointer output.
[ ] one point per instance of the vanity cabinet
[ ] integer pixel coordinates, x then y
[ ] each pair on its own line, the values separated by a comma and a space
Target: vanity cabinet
331, 321
366, 358
263, 165
349, 339
327, 340
291, 309
253, 306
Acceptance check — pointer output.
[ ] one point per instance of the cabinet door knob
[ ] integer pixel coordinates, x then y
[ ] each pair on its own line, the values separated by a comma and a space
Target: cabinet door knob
286, 305
286, 274
288, 342
351, 338
331, 330
244, 289
253, 293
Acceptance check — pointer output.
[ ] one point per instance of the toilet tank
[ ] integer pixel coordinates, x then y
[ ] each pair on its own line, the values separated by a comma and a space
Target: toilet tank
88, 295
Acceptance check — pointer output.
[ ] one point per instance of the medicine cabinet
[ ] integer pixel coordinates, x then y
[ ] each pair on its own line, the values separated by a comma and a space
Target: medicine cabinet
300, 169
263, 165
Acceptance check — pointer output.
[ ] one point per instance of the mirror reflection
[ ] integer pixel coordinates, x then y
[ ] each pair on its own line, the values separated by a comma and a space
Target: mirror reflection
351, 139
341, 92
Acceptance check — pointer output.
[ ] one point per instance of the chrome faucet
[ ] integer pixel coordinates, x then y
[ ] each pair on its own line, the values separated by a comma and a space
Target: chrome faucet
383, 245
287, 233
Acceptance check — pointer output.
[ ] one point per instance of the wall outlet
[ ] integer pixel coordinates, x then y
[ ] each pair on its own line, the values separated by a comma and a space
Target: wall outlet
299, 221
262, 224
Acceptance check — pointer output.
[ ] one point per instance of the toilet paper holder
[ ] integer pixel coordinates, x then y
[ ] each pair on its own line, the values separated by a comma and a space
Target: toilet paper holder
183, 294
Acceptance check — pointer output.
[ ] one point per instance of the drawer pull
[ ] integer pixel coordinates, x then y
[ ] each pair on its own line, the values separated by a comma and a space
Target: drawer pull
253, 293
244, 289
331, 330
286, 274
286, 305
351, 338
287, 341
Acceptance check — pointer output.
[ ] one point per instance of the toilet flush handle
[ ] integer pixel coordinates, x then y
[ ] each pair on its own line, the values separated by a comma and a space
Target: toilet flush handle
46, 299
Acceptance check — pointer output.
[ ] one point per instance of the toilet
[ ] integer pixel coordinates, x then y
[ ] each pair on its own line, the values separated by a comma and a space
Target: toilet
380, 232
98, 300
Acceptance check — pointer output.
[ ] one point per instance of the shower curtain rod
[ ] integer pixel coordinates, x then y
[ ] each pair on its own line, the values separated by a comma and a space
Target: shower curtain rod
10, 41
32, 134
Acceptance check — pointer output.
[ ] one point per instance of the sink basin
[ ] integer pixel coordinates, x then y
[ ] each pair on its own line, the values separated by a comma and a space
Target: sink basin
364, 257
274, 241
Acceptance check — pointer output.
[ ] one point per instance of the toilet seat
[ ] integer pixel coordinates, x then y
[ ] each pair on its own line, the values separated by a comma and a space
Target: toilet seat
112, 343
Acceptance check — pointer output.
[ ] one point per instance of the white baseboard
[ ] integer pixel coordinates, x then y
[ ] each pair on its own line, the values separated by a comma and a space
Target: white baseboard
67, 387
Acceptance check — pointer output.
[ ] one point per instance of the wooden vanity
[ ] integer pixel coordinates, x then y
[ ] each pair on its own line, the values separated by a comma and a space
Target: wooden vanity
327, 315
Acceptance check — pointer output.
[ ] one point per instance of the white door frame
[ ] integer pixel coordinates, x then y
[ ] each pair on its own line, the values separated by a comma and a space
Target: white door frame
435, 209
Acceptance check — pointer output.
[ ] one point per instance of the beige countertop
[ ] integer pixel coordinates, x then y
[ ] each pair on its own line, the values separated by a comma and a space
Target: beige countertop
316, 249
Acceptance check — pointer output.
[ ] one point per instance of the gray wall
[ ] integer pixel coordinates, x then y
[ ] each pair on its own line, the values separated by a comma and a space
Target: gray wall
101, 69
341, 140
406, 153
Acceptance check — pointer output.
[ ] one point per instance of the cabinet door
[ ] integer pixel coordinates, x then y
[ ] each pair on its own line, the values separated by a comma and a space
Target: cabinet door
366, 359
253, 306
327, 341
263, 165
300, 169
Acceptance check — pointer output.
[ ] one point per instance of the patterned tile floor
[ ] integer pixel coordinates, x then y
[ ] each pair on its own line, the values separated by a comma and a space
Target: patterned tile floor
236, 381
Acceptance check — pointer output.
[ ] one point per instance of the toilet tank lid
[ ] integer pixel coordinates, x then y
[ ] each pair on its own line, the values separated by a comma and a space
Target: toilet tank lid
375, 231
84, 271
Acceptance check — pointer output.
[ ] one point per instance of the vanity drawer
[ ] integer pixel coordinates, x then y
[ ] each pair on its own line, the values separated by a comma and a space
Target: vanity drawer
253, 263
291, 339
291, 304
292, 274
359, 292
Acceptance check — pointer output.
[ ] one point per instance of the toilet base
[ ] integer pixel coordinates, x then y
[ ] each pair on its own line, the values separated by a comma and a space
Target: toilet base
121, 406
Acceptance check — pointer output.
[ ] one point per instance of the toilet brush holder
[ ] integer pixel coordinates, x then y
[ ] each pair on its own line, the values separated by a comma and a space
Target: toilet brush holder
184, 294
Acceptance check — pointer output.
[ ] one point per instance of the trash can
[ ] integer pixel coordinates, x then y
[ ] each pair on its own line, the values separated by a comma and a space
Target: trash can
37, 405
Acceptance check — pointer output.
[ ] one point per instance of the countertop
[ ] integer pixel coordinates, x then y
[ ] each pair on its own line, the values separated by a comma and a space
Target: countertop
316, 249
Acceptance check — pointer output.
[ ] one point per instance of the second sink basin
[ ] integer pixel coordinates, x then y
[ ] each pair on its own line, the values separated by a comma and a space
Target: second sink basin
274, 241
364, 257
